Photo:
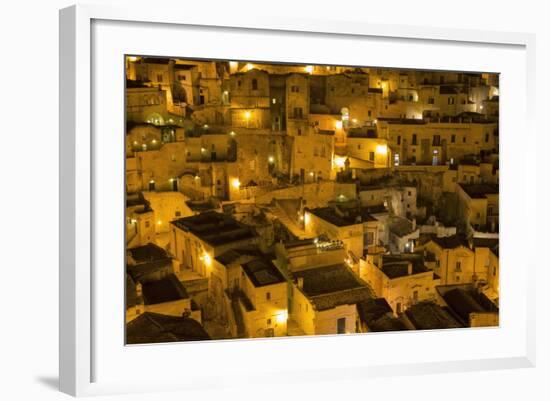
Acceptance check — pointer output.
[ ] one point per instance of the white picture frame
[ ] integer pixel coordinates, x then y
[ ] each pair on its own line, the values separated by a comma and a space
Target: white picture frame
81, 348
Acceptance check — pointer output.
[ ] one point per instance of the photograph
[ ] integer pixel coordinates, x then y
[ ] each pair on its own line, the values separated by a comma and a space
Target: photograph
270, 199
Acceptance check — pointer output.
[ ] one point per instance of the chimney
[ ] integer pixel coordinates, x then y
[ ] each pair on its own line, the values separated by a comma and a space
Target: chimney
414, 223
300, 282
409, 268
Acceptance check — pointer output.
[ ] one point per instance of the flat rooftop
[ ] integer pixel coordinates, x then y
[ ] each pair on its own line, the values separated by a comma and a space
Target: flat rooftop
479, 191
330, 286
395, 266
215, 228
451, 242
233, 255
346, 217
428, 316
263, 272
148, 253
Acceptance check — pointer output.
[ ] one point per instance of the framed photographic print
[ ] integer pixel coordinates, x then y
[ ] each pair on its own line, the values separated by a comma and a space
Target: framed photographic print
278, 198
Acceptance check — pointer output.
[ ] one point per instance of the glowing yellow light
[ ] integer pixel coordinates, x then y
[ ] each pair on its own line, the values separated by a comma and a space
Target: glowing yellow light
307, 219
309, 69
338, 124
381, 149
301, 218
236, 183
311, 174
339, 161
207, 259
282, 316
271, 159
197, 177
247, 115
232, 133
159, 222
249, 66
354, 120
132, 58
233, 64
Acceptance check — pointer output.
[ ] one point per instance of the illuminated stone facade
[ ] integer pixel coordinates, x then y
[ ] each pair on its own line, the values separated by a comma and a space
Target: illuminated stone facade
309, 199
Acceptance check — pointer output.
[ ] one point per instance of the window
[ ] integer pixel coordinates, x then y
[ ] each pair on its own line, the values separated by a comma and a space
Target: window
295, 88
178, 213
486, 137
464, 140
415, 296
341, 325
269, 322
147, 224
299, 131
298, 112
369, 113
451, 100
414, 139
453, 138
436, 140
458, 267
268, 296
371, 156
399, 139
239, 83
431, 100
182, 77
370, 238
409, 193
254, 84
159, 77
494, 270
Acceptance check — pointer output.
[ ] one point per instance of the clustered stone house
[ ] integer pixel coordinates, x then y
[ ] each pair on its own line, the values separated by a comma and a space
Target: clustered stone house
275, 199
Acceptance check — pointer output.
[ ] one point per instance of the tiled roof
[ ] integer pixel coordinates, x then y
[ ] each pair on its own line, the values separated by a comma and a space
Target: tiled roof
156, 328
427, 315
167, 289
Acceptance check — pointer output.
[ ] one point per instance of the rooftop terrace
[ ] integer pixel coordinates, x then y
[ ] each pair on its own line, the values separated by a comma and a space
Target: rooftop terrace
330, 286
215, 228
341, 217
263, 272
